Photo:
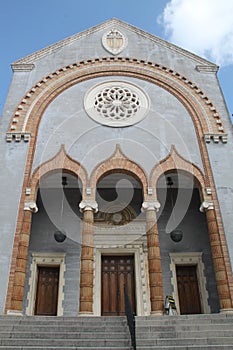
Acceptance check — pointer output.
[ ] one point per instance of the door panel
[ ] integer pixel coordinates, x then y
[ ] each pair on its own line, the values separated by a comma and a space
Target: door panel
47, 291
188, 291
117, 271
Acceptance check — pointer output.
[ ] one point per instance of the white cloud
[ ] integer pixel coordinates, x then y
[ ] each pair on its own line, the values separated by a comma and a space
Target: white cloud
204, 27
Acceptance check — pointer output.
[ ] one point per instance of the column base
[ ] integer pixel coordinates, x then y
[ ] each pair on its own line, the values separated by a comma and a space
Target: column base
157, 313
86, 314
14, 313
226, 311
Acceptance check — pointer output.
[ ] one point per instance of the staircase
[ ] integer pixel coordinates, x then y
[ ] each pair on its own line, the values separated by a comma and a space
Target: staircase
54, 333
196, 332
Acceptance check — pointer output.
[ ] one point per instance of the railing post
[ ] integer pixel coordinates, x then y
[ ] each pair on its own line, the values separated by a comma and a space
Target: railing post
130, 318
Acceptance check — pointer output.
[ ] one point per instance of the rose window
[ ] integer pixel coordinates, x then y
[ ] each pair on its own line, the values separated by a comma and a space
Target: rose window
116, 103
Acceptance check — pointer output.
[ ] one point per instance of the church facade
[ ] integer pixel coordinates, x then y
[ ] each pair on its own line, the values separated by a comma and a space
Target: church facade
116, 153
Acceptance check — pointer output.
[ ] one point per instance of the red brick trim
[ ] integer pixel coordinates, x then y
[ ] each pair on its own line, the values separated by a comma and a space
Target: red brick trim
174, 161
29, 111
60, 161
118, 162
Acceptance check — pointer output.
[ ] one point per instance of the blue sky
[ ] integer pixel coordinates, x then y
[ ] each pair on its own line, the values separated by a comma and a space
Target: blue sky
27, 26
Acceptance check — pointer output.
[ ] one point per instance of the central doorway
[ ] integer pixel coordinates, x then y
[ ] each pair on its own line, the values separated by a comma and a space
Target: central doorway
117, 271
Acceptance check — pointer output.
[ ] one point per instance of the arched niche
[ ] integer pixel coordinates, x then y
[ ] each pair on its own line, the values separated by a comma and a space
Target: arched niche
185, 244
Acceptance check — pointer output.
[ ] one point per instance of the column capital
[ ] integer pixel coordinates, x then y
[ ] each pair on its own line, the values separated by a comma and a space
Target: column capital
88, 205
31, 206
146, 206
206, 205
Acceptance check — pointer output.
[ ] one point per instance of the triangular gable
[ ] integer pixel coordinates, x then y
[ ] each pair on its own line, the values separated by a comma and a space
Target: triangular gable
30, 59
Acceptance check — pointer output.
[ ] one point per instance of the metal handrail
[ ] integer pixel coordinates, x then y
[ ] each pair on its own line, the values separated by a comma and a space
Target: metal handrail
130, 318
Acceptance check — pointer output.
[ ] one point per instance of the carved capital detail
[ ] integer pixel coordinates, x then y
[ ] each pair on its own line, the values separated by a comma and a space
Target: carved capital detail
206, 205
150, 206
88, 205
31, 206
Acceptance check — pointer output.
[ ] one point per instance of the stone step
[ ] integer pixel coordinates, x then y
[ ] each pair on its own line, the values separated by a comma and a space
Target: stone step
164, 333
63, 335
119, 335
186, 334
28, 347
62, 320
61, 329
183, 328
163, 329
89, 343
179, 347
170, 320
186, 341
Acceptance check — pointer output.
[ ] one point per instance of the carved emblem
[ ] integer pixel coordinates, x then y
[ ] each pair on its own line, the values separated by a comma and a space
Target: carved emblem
114, 41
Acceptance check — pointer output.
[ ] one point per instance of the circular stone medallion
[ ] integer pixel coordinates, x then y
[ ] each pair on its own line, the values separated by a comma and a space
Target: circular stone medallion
116, 103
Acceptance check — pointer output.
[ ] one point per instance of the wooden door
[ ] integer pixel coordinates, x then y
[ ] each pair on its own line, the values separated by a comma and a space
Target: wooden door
117, 271
189, 296
47, 291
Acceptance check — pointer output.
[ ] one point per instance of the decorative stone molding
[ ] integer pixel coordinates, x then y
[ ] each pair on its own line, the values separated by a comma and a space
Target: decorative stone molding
22, 67
88, 191
88, 205
150, 191
216, 137
114, 41
31, 206
207, 69
151, 206
14, 313
18, 136
208, 191
206, 205
28, 191
118, 215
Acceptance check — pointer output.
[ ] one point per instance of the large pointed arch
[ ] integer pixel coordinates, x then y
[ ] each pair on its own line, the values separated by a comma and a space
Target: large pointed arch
119, 162
28, 113
61, 161
175, 162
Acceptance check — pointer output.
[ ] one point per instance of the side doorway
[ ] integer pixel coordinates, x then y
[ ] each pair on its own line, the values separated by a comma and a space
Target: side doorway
47, 291
46, 284
117, 271
188, 289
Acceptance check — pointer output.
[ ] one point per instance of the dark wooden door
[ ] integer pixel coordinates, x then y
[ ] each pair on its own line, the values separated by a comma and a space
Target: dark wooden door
117, 271
47, 291
189, 296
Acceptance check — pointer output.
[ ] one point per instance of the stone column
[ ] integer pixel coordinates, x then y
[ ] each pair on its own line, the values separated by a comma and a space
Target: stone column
154, 259
218, 258
87, 257
21, 260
